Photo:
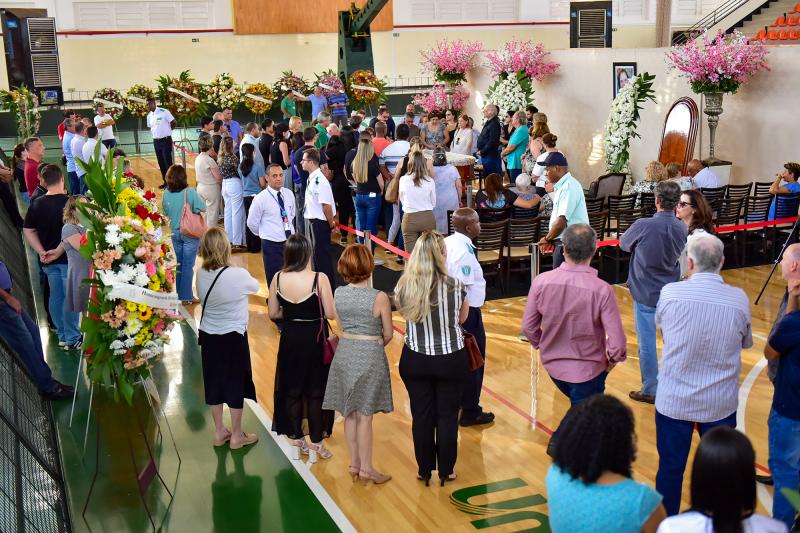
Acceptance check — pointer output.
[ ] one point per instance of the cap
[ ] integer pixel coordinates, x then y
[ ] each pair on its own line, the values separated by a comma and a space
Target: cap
555, 159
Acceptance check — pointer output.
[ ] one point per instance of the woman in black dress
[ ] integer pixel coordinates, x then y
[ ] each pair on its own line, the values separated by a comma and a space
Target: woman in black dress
279, 151
342, 195
304, 300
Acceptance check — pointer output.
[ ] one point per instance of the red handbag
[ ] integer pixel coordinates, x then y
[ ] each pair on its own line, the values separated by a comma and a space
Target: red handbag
329, 341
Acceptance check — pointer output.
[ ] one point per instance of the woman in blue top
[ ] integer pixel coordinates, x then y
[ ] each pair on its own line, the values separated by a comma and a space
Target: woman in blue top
176, 195
517, 144
589, 485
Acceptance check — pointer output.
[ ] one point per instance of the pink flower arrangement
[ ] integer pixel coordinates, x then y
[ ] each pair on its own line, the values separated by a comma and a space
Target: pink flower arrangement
449, 61
330, 79
720, 64
518, 56
436, 98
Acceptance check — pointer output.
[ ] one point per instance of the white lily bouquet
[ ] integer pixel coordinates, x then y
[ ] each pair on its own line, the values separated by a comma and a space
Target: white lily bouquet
623, 119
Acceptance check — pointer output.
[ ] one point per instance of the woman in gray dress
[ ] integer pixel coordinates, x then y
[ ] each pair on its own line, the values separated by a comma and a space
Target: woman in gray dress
358, 381
77, 298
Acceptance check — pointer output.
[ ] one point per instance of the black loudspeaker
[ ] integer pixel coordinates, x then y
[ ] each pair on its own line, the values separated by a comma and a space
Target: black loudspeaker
31, 47
590, 24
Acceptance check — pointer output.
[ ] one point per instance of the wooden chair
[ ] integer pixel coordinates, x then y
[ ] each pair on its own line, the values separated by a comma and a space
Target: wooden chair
714, 196
786, 206
594, 205
624, 218
756, 209
729, 214
521, 234
493, 215
760, 188
607, 185
647, 201
738, 191
450, 229
598, 223
490, 245
617, 204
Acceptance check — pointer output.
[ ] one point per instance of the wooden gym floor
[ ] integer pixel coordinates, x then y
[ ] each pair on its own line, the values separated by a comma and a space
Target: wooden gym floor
509, 455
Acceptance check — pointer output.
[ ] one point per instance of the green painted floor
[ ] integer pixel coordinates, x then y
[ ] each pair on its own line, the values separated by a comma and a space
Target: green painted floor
215, 489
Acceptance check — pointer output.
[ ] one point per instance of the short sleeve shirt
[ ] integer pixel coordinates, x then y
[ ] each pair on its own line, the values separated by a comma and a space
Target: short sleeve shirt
786, 341
322, 137
203, 166
519, 139
318, 104
289, 105
463, 265
159, 123
106, 133
339, 110
318, 192
172, 203
569, 201
46, 216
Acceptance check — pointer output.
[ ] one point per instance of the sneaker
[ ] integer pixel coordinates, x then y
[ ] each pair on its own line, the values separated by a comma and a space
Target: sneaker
639, 396
484, 418
61, 344
75, 345
378, 262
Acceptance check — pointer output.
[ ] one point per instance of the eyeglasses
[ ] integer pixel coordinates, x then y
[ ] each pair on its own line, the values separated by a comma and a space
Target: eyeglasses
685, 204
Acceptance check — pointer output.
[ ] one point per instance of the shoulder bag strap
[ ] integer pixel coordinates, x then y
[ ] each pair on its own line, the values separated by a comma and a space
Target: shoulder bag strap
205, 300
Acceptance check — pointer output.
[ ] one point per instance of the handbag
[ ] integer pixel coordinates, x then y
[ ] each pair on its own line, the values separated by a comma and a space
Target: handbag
392, 190
329, 340
192, 224
205, 300
473, 350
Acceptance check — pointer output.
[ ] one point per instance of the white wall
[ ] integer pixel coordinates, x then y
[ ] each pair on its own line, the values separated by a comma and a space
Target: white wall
757, 131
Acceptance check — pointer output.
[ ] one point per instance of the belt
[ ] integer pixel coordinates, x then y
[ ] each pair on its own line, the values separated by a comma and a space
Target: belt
355, 337
162, 138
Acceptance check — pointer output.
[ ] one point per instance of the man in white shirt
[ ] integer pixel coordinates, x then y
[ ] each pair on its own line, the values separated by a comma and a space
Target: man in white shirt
463, 265
93, 138
701, 177
78, 141
105, 124
271, 217
318, 213
251, 135
161, 123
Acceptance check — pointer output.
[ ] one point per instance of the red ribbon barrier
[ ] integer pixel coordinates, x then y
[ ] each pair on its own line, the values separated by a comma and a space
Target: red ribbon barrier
185, 151
754, 225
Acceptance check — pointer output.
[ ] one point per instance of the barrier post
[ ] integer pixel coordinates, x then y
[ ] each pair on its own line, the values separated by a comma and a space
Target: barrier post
535, 260
469, 194
183, 156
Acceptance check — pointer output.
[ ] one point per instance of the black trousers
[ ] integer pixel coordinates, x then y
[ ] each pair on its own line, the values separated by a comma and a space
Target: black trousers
109, 143
558, 254
251, 240
471, 398
272, 254
321, 239
344, 205
435, 384
163, 147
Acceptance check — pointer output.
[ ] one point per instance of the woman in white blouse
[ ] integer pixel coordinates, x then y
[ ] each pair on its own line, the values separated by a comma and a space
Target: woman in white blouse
227, 375
417, 192
462, 142
209, 180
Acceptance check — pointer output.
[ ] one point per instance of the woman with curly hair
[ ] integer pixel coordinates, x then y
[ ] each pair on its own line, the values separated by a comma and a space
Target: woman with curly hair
694, 211
589, 484
653, 173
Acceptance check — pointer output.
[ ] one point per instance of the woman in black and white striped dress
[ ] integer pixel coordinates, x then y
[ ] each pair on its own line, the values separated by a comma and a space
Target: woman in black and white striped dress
434, 363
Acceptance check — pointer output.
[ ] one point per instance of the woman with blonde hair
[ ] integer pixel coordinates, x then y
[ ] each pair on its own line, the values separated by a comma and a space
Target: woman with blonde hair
76, 300
434, 363
358, 382
653, 173
365, 171
462, 141
225, 352
295, 125
417, 193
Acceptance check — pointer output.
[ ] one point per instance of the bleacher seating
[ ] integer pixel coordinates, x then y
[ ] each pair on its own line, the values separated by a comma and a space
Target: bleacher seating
783, 31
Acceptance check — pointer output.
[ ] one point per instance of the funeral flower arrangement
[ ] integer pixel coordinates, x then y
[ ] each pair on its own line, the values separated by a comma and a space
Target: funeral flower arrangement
24, 105
289, 82
365, 89
624, 118
263, 98
132, 306
720, 64
330, 79
111, 95
183, 97
449, 61
224, 92
436, 99
136, 100
515, 65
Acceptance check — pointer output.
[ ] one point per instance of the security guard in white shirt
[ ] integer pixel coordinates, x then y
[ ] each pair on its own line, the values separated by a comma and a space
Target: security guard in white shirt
161, 123
462, 264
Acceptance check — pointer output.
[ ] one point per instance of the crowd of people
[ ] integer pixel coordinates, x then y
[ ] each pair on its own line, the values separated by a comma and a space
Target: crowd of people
278, 188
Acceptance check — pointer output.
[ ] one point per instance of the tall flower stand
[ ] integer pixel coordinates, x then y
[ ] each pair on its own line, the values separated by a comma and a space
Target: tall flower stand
713, 109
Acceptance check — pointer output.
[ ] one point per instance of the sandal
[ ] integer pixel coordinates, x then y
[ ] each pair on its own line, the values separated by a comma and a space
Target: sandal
318, 450
249, 438
298, 447
222, 442
376, 477
354, 470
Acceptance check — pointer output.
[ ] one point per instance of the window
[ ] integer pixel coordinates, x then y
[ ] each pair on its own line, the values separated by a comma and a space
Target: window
152, 15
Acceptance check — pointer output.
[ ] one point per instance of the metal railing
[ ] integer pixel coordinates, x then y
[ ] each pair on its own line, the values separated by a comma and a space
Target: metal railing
710, 20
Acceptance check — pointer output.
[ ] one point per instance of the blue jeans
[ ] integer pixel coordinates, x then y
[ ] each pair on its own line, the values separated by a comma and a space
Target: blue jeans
673, 440
22, 334
578, 392
74, 183
367, 210
491, 164
645, 319
26, 198
67, 322
185, 253
784, 462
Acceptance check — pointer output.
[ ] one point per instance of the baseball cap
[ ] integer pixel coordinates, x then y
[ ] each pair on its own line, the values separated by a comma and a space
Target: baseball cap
555, 159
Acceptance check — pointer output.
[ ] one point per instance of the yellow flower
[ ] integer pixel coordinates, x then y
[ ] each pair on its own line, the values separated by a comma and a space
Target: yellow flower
155, 285
142, 308
131, 307
146, 314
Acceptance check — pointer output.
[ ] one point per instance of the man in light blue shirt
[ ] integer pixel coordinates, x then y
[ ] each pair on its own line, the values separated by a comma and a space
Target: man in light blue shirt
66, 146
785, 183
569, 203
318, 102
234, 128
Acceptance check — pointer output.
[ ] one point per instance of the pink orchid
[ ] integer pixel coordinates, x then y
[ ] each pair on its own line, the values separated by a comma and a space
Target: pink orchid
150, 268
451, 57
436, 98
521, 56
159, 327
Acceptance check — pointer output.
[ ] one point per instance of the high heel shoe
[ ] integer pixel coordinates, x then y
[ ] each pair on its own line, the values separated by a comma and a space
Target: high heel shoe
426, 479
376, 477
354, 471
317, 451
451, 477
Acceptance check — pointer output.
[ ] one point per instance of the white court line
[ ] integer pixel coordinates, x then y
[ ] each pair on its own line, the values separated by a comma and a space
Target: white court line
303, 469
744, 393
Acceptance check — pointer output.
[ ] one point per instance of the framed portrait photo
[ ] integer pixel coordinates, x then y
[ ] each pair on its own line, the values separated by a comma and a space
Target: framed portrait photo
623, 72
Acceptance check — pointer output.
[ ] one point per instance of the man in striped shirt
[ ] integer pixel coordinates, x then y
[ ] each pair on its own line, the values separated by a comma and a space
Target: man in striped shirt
705, 323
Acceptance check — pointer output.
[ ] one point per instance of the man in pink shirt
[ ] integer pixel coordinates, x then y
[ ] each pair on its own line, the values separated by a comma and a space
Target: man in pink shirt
572, 319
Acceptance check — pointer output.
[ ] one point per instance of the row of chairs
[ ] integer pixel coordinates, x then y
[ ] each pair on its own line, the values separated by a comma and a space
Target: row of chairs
768, 34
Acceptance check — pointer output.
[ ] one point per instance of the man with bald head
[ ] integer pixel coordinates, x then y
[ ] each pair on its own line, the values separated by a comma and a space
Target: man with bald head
705, 324
783, 347
489, 141
701, 176
463, 265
